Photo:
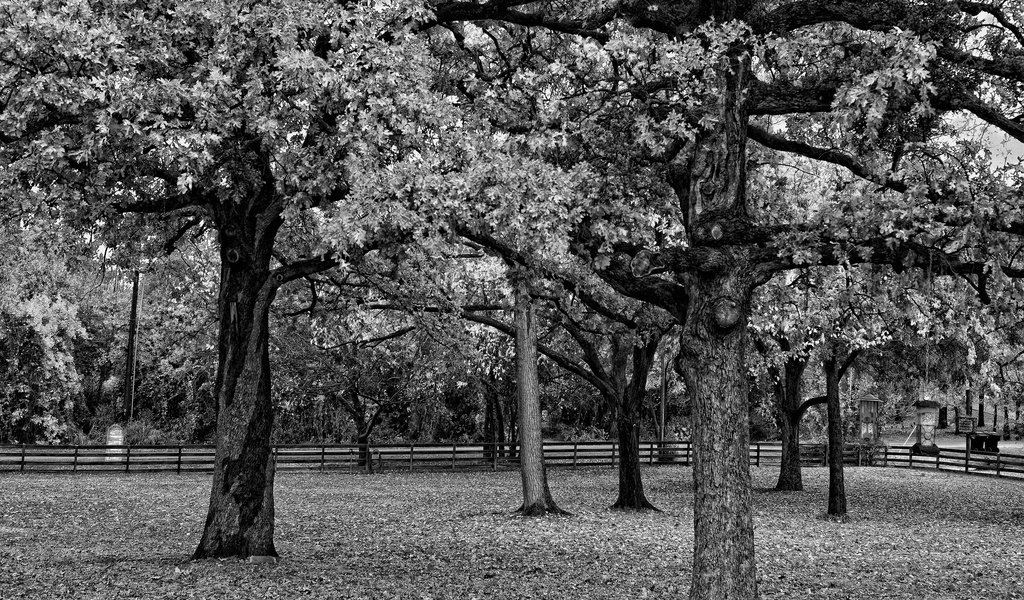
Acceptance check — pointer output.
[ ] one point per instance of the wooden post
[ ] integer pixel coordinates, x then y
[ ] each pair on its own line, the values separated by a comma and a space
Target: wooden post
411, 453
179, 460
323, 457
650, 453
350, 461
824, 459
999, 462
614, 448
74, 464
23, 457
911, 462
759, 454
127, 457
494, 456
938, 455
885, 457
575, 448
453, 457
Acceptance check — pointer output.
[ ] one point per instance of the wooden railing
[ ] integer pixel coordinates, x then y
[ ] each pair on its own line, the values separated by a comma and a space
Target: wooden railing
410, 457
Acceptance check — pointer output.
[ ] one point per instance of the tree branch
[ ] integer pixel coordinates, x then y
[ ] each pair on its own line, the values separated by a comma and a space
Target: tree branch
303, 268
559, 358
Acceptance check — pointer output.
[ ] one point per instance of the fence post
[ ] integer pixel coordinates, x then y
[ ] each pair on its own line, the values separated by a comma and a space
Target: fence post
910, 463
23, 457
350, 460
179, 459
494, 456
575, 449
824, 455
127, 457
759, 454
938, 455
614, 448
453, 457
967, 457
411, 452
323, 457
999, 462
74, 464
650, 452
885, 457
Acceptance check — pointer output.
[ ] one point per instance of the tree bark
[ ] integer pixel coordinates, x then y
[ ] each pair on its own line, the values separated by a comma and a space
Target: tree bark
537, 499
631, 486
788, 414
240, 520
713, 362
836, 486
790, 474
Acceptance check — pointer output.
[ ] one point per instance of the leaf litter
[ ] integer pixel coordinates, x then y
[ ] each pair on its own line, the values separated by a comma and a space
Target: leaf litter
435, 536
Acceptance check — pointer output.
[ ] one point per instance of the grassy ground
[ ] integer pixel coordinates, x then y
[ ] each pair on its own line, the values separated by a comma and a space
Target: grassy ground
913, 534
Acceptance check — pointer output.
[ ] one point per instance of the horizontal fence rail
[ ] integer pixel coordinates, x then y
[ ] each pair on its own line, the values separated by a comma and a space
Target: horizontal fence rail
356, 458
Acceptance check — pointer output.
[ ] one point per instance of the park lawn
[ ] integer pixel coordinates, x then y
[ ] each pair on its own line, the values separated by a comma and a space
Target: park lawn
913, 534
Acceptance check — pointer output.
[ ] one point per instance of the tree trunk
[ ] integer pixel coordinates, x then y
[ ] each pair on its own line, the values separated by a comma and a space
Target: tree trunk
836, 486
788, 414
631, 486
490, 436
240, 521
537, 499
713, 362
790, 474
365, 459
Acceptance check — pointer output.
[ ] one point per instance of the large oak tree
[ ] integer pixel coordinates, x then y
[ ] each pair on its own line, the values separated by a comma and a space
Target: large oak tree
664, 100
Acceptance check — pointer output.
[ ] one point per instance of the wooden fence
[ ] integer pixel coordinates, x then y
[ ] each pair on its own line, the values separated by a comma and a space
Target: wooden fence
410, 457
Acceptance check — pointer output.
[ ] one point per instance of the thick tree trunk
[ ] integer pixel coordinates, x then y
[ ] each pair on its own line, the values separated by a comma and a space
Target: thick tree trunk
630, 404
537, 499
788, 415
240, 521
712, 353
631, 486
790, 475
836, 486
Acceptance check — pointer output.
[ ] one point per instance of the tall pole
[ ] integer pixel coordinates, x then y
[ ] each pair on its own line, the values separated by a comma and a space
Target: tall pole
133, 341
664, 395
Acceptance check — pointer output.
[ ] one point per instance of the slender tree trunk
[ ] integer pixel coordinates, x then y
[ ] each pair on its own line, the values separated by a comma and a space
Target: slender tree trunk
836, 486
365, 459
713, 347
490, 437
240, 520
499, 427
537, 499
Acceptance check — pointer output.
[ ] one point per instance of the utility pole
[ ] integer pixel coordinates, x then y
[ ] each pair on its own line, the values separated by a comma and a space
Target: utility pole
664, 396
133, 342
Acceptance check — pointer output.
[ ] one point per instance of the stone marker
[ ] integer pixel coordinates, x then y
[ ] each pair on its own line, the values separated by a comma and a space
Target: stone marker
115, 437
